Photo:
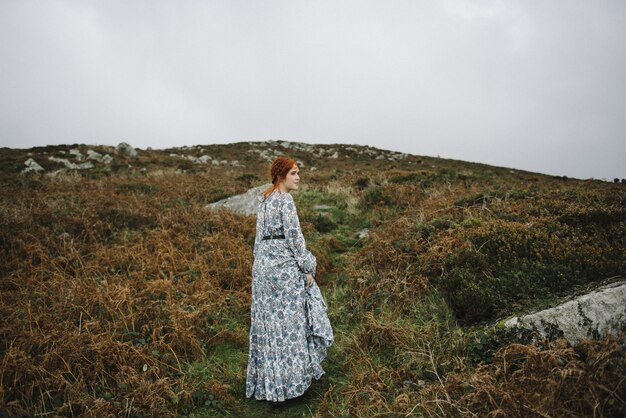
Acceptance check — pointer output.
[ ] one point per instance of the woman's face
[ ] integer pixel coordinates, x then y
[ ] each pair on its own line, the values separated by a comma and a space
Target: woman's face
292, 180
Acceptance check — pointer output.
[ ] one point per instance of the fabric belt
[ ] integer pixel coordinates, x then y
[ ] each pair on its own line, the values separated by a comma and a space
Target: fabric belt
265, 238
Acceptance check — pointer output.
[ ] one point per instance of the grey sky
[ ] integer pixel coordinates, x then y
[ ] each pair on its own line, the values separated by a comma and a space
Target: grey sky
534, 85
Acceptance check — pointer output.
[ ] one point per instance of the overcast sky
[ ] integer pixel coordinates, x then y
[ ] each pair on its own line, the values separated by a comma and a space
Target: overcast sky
536, 85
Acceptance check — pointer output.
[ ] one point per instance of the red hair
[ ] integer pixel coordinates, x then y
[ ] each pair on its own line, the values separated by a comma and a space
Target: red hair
278, 171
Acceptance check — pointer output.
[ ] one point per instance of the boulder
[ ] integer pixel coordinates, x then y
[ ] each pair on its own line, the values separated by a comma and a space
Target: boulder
96, 156
245, 204
594, 315
32, 165
125, 149
76, 153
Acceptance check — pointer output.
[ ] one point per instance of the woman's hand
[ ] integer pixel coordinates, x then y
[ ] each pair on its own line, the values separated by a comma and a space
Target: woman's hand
309, 280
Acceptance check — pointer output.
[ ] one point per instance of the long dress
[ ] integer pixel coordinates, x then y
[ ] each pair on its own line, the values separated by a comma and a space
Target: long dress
289, 331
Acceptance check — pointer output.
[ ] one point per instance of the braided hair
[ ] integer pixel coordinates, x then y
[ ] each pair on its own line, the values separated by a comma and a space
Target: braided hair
278, 171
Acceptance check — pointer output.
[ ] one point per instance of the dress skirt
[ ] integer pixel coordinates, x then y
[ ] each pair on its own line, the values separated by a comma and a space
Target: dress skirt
289, 331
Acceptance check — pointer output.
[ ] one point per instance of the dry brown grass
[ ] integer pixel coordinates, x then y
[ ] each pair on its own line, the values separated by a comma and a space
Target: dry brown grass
525, 380
107, 293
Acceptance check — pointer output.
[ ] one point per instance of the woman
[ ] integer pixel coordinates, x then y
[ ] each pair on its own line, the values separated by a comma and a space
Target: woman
289, 330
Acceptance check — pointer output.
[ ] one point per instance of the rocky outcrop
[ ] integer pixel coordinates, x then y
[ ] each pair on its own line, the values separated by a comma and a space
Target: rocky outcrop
77, 154
71, 165
125, 149
32, 166
594, 315
96, 156
246, 203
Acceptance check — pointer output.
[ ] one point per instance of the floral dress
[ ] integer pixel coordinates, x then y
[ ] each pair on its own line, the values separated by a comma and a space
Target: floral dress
289, 331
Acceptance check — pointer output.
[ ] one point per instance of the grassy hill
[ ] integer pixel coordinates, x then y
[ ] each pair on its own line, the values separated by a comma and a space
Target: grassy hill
122, 295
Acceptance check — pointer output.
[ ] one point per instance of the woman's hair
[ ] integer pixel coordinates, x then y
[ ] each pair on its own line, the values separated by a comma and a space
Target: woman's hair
278, 171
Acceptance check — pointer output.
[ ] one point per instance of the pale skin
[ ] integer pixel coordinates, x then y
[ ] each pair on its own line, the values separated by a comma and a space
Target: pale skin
286, 185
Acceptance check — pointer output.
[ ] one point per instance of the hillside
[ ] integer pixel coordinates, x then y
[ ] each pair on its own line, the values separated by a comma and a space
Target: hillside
122, 294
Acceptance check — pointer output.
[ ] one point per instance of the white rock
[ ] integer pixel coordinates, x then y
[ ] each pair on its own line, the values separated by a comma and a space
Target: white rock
71, 165
593, 315
246, 203
321, 207
215, 162
76, 153
32, 165
55, 173
335, 155
96, 156
125, 149
204, 159
363, 233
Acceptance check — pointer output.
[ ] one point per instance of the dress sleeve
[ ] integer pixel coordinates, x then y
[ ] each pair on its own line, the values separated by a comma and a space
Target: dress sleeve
293, 234
259, 231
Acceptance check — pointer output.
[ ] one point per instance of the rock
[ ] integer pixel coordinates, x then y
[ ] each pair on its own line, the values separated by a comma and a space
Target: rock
96, 156
56, 173
334, 156
125, 149
363, 233
322, 207
32, 165
76, 153
196, 160
594, 315
246, 203
71, 165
